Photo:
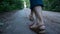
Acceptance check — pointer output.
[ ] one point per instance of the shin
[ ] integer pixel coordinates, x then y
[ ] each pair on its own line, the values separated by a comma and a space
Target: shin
38, 13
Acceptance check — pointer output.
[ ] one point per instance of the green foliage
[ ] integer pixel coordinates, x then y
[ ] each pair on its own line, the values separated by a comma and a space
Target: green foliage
52, 5
27, 3
8, 5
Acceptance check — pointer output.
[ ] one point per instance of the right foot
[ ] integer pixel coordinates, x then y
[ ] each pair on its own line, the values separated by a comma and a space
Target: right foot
38, 29
42, 29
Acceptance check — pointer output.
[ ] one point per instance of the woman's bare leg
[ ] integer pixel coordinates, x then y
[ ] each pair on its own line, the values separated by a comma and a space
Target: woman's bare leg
38, 13
39, 17
31, 15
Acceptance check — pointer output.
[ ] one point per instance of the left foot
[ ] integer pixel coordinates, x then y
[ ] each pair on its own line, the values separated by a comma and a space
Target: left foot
31, 18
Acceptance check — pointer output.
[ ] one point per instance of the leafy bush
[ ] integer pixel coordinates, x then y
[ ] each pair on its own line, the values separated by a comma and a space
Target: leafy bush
8, 5
52, 5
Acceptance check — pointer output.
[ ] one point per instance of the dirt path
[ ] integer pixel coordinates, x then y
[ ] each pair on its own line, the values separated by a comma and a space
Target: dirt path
19, 21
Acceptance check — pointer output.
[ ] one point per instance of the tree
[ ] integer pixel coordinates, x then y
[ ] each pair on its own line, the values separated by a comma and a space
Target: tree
9, 5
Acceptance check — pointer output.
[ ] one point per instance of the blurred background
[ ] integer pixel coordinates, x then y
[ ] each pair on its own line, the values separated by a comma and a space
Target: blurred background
8, 5
50, 5
14, 14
